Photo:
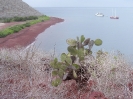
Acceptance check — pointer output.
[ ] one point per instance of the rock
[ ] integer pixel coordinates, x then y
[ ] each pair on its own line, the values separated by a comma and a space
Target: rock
12, 8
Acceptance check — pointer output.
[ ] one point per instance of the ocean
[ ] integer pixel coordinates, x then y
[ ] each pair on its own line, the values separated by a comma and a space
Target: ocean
116, 34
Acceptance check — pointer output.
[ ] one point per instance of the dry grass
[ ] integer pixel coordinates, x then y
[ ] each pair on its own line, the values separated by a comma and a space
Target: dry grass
25, 74
113, 76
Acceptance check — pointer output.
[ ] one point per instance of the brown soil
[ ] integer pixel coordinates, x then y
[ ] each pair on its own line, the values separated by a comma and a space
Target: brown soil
27, 35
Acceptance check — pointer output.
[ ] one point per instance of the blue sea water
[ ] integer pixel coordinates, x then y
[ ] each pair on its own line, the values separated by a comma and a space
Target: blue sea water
117, 35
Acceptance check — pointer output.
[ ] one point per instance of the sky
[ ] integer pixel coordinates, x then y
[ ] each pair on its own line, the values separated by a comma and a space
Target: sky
80, 3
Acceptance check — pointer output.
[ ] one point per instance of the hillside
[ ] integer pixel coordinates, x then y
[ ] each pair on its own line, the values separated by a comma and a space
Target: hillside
11, 8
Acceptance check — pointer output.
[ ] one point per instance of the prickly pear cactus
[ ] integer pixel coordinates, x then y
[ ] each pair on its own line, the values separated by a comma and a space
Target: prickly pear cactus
72, 64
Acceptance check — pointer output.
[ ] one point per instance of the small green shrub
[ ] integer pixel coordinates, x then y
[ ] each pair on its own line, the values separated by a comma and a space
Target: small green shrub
16, 28
7, 20
2, 34
42, 20
22, 26
18, 19
6, 32
33, 22
27, 24
32, 17
25, 18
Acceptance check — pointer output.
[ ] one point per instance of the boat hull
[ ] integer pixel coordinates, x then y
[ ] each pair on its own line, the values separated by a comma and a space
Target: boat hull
99, 14
112, 17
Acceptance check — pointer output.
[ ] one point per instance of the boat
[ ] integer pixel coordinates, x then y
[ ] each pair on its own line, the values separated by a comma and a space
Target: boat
99, 14
114, 16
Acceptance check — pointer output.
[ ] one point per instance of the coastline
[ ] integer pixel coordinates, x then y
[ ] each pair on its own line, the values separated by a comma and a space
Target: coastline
26, 36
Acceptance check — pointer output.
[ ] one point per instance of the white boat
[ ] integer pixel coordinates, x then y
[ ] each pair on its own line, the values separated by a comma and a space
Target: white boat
114, 16
99, 14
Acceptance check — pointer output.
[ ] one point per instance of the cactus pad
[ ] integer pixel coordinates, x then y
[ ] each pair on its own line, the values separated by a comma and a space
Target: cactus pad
76, 66
71, 42
86, 42
91, 43
56, 82
82, 38
54, 63
54, 73
65, 58
61, 73
98, 42
74, 74
72, 50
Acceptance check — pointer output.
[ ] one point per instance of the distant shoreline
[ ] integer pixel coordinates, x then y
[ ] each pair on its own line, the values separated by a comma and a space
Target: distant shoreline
27, 35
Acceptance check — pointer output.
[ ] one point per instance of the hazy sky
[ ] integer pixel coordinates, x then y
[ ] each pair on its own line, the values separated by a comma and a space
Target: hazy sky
80, 3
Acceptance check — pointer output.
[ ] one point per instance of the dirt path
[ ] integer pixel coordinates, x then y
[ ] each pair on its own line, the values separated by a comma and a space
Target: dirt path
27, 35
